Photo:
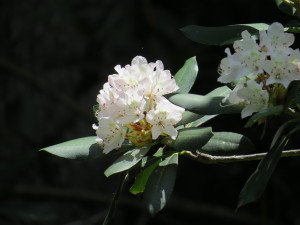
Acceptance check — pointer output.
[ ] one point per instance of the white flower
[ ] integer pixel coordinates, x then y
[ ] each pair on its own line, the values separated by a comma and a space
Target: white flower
110, 134
161, 82
255, 98
251, 95
278, 69
258, 68
132, 106
233, 97
164, 117
149, 78
275, 39
106, 97
129, 107
247, 60
132, 76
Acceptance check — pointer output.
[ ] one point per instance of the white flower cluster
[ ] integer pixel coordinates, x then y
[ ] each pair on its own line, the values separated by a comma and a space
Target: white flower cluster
132, 106
260, 70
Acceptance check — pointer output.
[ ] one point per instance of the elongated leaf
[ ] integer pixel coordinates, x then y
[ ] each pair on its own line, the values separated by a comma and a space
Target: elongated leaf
203, 105
186, 76
142, 178
188, 117
284, 7
81, 148
200, 121
293, 95
258, 181
196, 119
228, 143
220, 35
126, 161
159, 187
219, 92
172, 159
264, 113
190, 138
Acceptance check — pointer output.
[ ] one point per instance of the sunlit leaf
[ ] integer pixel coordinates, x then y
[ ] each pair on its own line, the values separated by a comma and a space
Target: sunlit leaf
142, 178
190, 138
228, 143
203, 105
188, 117
286, 8
201, 121
159, 187
81, 148
196, 119
219, 92
172, 159
221, 35
187, 75
126, 161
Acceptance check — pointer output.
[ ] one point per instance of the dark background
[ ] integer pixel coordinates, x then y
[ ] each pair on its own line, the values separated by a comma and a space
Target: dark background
54, 58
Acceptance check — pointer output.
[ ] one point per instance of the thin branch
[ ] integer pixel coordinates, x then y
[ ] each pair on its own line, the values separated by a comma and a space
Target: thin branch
211, 159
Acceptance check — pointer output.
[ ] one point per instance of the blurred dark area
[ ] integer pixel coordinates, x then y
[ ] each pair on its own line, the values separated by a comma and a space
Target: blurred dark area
54, 58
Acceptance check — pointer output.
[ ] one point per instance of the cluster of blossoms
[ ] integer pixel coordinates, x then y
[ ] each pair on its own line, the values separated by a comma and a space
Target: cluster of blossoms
132, 106
261, 71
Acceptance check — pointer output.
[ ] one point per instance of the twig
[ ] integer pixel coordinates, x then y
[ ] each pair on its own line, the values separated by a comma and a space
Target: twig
211, 159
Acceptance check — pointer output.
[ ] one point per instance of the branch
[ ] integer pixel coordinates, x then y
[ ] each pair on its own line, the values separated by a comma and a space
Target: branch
211, 159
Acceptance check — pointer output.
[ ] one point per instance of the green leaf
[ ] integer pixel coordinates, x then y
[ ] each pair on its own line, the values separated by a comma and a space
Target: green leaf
293, 95
196, 119
188, 117
200, 121
219, 91
276, 110
186, 76
142, 178
284, 131
221, 35
159, 187
81, 148
286, 8
172, 159
95, 108
203, 105
228, 143
258, 181
190, 138
126, 161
